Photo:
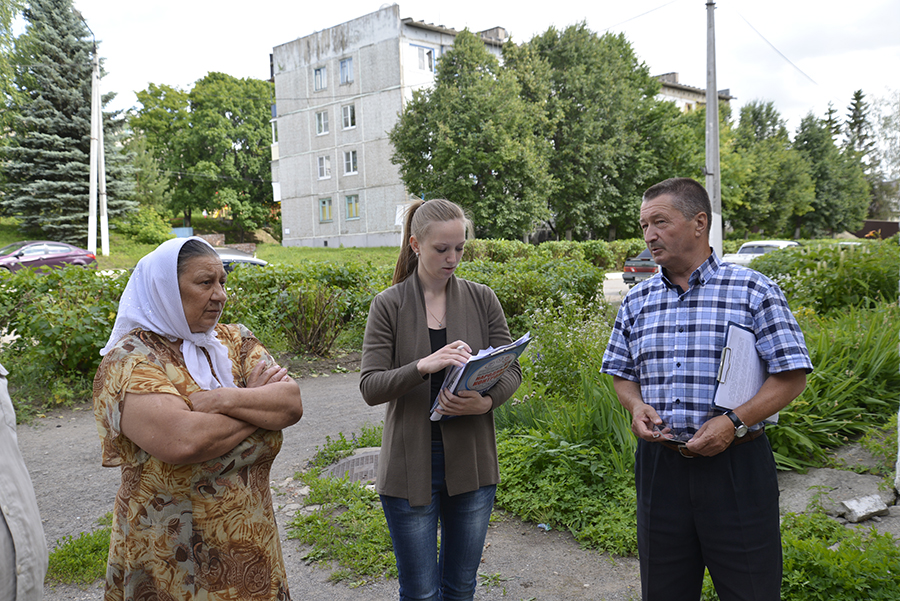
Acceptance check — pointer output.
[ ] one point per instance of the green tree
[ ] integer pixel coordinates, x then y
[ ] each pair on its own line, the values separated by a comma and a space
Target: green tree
47, 160
214, 143
886, 132
472, 139
8, 11
151, 186
858, 130
609, 134
842, 194
778, 187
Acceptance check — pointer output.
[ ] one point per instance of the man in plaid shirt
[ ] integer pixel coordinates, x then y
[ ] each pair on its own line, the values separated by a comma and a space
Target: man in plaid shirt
706, 482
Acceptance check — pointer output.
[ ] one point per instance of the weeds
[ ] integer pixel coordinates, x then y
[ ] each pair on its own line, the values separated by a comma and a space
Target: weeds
348, 528
82, 559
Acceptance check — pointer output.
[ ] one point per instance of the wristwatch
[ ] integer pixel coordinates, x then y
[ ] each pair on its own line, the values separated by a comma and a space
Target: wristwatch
740, 428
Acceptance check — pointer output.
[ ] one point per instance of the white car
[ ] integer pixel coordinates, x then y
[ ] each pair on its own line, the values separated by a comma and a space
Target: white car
751, 250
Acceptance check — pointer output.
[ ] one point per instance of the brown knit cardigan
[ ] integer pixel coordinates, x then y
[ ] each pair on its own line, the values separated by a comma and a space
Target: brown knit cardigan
396, 338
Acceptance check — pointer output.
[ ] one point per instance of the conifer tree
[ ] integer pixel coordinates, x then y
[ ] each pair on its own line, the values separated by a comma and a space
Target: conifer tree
47, 161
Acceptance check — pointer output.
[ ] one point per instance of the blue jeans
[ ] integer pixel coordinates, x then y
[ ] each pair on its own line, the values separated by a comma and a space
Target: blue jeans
464, 521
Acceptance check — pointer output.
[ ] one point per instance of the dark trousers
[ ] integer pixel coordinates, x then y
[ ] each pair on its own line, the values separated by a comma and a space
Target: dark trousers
719, 512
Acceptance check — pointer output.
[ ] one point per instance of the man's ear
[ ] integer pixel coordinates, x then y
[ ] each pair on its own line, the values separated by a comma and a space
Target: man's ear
701, 220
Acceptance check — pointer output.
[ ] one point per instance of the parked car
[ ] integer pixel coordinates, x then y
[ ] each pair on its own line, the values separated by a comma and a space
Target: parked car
231, 258
750, 250
639, 268
43, 254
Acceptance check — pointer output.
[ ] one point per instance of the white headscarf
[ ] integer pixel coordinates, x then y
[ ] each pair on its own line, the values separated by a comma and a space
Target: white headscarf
152, 301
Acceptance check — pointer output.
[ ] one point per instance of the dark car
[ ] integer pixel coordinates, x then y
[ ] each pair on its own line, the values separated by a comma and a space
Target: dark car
232, 257
639, 268
41, 254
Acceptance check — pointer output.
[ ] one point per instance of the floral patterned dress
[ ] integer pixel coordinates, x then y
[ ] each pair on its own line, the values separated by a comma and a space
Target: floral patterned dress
196, 532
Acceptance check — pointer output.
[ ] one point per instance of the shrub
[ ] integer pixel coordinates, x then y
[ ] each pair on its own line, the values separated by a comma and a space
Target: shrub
62, 318
496, 250
557, 249
852, 388
314, 314
599, 253
524, 284
253, 297
623, 250
550, 480
145, 226
828, 278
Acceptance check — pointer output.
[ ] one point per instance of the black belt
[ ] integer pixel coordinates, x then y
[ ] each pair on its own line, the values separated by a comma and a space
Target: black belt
686, 452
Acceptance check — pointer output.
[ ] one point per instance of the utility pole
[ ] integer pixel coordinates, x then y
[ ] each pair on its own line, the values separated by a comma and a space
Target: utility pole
97, 177
713, 174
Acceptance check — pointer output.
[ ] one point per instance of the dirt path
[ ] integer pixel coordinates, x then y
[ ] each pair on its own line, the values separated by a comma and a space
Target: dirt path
62, 452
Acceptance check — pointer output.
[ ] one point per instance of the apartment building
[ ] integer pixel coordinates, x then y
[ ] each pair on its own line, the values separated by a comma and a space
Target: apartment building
338, 93
685, 97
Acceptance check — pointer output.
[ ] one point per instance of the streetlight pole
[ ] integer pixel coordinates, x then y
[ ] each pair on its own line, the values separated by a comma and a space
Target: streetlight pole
97, 176
713, 175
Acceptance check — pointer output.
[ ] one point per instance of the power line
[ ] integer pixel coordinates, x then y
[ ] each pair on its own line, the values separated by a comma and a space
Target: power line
641, 15
774, 48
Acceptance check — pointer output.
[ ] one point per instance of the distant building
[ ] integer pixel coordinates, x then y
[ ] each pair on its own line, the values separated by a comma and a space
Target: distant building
338, 93
687, 98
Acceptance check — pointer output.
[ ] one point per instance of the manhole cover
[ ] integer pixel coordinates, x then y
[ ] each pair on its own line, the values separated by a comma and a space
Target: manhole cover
359, 467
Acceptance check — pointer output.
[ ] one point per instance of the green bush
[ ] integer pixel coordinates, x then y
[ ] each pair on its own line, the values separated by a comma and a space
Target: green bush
525, 284
254, 293
853, 386
558, 249
828, 278
62, 318
496, 250
600, 254
623, 250
546, 479
314, 314
145, 226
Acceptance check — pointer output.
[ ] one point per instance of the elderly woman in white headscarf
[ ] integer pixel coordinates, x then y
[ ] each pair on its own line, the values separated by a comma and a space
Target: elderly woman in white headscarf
192, 412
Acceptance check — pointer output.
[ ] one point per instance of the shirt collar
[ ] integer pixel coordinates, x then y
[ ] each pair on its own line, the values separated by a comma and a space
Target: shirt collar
701, 275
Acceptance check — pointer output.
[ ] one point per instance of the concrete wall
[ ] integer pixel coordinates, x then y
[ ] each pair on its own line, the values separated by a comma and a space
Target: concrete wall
386, 70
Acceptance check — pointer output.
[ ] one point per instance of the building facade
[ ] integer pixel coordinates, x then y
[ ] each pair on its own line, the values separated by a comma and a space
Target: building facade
338, 93
685, 97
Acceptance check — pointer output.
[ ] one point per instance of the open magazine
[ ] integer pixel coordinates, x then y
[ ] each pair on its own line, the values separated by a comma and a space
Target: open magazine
482, 370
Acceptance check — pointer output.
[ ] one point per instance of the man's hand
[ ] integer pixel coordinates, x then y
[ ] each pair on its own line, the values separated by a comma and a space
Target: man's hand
713, 437
647, 424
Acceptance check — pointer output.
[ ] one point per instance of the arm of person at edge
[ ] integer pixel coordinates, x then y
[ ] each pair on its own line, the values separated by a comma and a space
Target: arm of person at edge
716, 434
170, 430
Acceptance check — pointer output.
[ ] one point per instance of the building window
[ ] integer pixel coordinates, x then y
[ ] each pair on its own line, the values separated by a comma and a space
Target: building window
349, 114
350, 161
321, 78
426, 59
347, 70
322, 123
352, 206
325, 209
324, 167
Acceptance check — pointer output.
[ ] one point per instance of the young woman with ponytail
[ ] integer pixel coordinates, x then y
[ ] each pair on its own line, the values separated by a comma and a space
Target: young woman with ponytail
443, 472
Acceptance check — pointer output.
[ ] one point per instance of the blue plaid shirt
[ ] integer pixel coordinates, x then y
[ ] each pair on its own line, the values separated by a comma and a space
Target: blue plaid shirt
671, 342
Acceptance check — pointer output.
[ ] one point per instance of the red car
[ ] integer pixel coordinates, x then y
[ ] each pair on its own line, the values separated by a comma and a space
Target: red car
40, 254
639, 268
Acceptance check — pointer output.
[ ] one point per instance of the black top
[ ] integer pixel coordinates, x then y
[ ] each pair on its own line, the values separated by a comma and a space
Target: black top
438, 341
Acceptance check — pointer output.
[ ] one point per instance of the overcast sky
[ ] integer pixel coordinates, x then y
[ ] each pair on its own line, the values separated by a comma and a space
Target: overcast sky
800, 54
